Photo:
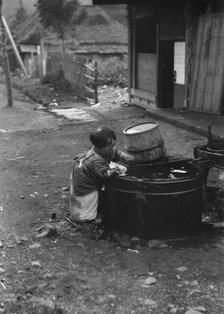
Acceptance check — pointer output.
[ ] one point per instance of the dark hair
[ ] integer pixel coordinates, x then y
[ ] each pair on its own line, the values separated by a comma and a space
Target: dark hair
102, 137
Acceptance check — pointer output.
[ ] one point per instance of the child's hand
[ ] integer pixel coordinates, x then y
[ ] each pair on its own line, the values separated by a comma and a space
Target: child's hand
111, 172
128, 158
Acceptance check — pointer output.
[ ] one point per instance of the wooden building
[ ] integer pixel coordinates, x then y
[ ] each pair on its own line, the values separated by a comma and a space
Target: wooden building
176, 53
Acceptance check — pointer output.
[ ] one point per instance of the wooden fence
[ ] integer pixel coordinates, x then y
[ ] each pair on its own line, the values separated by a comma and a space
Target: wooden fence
81, 76
207, 85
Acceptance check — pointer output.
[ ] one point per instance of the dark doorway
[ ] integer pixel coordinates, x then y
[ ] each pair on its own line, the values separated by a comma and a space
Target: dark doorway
166, 74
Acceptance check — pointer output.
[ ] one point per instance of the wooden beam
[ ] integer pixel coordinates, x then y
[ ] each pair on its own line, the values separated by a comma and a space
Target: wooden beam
88, 67
89, 89
89, 77
110, 1
145, 104
141, 94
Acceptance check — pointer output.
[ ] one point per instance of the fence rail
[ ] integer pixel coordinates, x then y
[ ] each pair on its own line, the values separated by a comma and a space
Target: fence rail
81, 76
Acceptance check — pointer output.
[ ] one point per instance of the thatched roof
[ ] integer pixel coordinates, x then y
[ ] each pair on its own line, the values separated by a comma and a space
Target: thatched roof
30, 32
97, 31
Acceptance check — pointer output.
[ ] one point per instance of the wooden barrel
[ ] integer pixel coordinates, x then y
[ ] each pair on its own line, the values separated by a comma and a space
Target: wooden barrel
216, 146
144, 141
158, 201
155, 152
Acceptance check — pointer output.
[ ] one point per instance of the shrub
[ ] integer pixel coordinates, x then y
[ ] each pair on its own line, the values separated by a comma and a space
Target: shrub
113, 73
57, 80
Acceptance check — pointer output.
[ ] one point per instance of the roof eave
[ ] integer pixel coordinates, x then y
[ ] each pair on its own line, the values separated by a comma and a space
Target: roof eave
110, 2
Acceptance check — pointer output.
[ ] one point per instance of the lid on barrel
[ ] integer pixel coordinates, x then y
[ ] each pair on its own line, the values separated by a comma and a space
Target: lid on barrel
140, 128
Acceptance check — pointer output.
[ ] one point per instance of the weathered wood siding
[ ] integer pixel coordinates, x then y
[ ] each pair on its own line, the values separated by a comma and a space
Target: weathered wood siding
147, 72
207, 82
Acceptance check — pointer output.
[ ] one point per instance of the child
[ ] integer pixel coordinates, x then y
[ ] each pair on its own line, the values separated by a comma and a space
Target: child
89, 171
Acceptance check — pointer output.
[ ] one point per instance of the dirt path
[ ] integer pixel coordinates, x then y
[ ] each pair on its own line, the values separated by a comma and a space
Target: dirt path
83, 270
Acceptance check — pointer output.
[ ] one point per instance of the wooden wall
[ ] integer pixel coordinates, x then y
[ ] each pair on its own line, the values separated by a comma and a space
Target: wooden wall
207, 79
146, 75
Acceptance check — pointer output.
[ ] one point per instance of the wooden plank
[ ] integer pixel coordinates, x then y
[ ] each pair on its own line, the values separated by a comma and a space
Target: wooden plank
206, 92
130, 53
88, 67
144, 95
89, 99
203, 63
195, 70
89, 89
218, 65
212, 47
147, 72
134, 56
217, 100
145, 104
89, 77
198, 63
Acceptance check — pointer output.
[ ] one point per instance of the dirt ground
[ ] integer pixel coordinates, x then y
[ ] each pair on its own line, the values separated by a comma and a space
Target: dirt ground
83, 269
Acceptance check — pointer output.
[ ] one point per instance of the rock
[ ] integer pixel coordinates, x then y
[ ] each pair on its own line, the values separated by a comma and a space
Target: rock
194, 283
157, 244
34, 246
193, 292
53, 104
31, 288
135, 240
24, 238
39, 107
192, 311
10, 246
174, 310
182, 269
150, 302
65, 188
111, 296
2, 271
47, 231
133, 251
101, 299
96, 105
171, 306
35, 263
178, 277
43, 302
1, 244
149, 281
201, 309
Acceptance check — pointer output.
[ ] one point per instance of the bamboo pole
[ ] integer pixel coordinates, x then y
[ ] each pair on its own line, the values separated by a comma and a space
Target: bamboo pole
14, 45
6, 62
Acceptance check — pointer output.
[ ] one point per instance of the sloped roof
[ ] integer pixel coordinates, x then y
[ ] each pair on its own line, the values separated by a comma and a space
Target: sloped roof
97, 28
100, 27
30, 32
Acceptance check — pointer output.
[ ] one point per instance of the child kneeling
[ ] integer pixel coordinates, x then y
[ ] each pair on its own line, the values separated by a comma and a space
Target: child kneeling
90, 169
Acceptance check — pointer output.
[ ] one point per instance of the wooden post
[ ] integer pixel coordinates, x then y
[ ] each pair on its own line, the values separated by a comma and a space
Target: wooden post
130, 53
41, 58
6, 62
95, 83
